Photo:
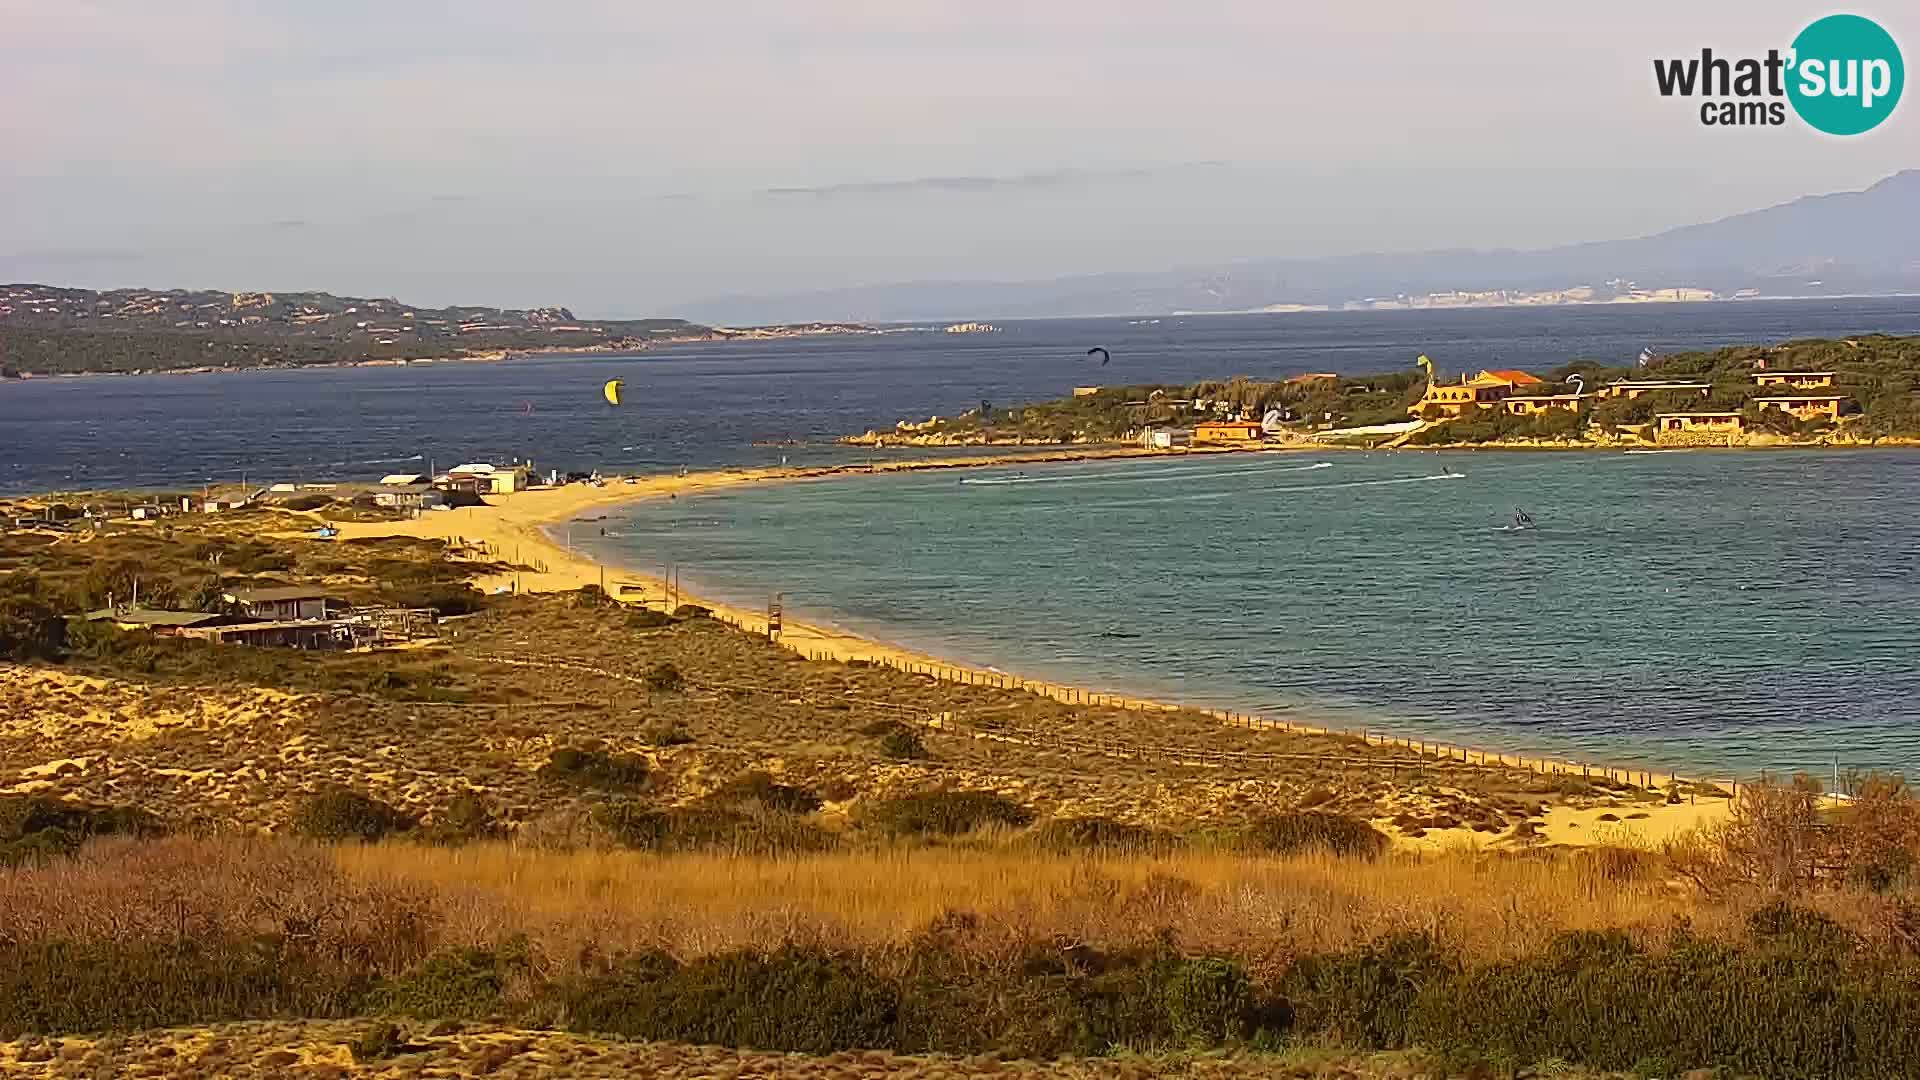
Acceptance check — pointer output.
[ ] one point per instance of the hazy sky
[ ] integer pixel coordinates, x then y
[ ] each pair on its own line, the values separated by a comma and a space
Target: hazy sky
627, 157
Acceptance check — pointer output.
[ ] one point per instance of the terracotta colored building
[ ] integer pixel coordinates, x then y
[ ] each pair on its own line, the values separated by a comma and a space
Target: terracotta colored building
1483, 390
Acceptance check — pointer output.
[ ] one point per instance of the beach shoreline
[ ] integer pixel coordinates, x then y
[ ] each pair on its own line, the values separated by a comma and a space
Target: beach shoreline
527, 530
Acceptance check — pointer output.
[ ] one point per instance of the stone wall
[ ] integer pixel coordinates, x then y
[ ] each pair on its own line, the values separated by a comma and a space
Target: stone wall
1699, 437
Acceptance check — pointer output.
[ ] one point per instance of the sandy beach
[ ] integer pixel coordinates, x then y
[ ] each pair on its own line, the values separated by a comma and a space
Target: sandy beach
520, 529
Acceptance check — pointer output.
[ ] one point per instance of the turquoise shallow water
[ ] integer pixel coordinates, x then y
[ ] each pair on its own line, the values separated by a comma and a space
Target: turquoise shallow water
1716, 611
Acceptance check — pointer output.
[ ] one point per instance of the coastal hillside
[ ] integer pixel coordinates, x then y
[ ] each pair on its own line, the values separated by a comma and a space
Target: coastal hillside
1847, 391
48, 330
580, 716
568, 834
1834, 244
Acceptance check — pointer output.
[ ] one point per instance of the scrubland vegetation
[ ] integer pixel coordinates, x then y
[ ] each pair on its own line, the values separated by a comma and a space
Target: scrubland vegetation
1784, 943
1879, 374
566, 821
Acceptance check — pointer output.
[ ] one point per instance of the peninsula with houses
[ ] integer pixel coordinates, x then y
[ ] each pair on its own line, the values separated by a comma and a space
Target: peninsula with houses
47, 330
1850, 391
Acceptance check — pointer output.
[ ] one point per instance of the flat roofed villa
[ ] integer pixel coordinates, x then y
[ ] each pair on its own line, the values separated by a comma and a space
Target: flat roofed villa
1529, 404
1633, 388
1802, 380
1697, 428
1807, 407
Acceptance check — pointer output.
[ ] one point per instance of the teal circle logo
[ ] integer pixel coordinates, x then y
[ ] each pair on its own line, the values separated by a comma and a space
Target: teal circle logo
1846, 75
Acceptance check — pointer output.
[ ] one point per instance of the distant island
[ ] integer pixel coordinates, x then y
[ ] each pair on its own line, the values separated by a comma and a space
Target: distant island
1850, 391
49, 330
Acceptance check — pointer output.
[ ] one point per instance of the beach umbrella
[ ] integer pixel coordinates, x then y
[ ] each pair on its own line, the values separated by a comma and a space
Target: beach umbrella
611, 391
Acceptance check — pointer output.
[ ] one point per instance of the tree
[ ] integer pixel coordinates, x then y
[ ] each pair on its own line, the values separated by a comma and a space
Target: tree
29, 629
1557, 424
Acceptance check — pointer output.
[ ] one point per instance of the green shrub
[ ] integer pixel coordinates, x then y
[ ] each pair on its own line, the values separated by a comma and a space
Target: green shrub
596, 769
1208, 1001
466, 985
308, 502
896, 740
1048, 1001
445, 598
1364, 997
74, 986
1288, 834
943, 813
30, 628
903, 745
1767, 1010
647, 619
664, 678
760, 788
335, 813
692, 611
794, 999
37, 827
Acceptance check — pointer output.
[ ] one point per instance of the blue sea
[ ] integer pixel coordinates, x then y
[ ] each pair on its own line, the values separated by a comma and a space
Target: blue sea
706, 405
1712, 611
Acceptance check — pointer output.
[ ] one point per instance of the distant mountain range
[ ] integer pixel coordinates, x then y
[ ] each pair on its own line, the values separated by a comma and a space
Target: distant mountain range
1847, 242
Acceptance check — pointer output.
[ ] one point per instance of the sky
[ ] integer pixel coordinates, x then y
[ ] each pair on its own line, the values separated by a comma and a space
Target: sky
632, 158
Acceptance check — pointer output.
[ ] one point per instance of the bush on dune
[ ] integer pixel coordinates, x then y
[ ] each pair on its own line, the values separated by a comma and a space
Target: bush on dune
707, 828
806, 1000
1294, 833
943, 813
761, 790
36, 827
596, 768
336, 813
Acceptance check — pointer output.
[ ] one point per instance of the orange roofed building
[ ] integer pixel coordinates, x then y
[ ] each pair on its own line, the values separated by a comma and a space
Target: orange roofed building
1485, 389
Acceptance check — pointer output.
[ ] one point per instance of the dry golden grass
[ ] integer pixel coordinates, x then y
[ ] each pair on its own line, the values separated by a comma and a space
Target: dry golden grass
1268, 907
